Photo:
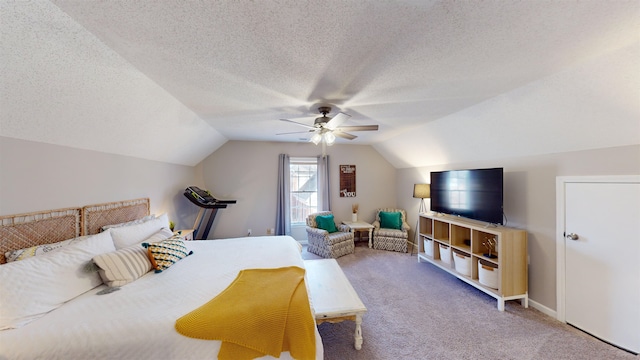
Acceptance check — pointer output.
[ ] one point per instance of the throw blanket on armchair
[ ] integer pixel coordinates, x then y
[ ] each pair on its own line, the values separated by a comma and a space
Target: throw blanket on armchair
263, 312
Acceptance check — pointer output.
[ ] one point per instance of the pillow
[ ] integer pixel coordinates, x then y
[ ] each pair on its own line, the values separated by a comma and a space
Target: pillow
325, 222
123, 266
34, 286
126, 236
38, 250
127, 264
163, 234
165, 253
129, 223
390, 220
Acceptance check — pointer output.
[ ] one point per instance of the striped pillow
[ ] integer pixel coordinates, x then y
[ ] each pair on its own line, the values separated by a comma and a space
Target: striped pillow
123, 266
127, 264
165, 253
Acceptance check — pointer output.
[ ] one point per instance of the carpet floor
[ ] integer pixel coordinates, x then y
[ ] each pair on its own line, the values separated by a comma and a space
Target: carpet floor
417, 311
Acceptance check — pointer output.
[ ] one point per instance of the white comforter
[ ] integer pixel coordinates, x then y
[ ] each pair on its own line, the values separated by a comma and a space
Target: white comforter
137, 322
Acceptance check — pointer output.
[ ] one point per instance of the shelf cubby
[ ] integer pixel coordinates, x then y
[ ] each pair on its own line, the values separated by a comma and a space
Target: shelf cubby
441, 231
481, 240
426, 226
461, 238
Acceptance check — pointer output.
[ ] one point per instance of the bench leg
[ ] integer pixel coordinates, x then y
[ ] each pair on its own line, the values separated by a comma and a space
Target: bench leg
358, 335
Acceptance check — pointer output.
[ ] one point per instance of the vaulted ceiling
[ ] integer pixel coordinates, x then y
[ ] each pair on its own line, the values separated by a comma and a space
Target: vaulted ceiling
173, 80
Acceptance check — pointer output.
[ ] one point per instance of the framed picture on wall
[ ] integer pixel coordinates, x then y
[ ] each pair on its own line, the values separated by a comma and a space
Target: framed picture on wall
347, 180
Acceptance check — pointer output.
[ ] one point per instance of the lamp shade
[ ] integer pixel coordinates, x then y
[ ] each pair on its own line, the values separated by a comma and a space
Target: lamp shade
329, 138
421, 191
315, 139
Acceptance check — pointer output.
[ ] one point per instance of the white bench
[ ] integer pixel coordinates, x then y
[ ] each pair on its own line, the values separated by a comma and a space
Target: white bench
334, 299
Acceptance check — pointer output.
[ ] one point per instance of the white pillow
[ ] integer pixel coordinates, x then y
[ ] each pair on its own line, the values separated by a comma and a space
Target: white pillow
126, 236
32, 287
129, 223
38, 250
127, 264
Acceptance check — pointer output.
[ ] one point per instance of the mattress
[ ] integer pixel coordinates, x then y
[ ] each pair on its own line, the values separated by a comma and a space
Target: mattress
137, 321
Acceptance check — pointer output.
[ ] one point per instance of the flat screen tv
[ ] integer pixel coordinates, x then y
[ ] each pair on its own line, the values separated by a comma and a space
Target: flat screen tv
474, 194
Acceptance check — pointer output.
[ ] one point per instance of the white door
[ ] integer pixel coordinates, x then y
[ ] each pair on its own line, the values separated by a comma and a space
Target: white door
602, 260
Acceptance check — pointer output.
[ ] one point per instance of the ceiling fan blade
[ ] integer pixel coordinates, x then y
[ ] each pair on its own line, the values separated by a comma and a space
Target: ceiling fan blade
344, 135
297, 123
296, 132
358, 128
337, 120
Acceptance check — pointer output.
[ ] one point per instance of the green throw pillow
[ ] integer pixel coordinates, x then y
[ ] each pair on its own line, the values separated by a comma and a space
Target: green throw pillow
390, 220
325, 222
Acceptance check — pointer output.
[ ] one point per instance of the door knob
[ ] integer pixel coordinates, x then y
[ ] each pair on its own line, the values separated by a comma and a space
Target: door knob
572, 236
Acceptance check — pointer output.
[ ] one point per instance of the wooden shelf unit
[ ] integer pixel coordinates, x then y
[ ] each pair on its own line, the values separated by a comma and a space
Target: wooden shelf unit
468, 236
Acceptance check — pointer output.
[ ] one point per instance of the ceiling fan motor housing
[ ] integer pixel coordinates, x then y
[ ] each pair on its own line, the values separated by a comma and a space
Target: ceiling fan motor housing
322, 120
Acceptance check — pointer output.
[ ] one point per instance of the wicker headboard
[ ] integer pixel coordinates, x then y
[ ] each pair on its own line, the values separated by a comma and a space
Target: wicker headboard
94, 217
38, 228
46, 227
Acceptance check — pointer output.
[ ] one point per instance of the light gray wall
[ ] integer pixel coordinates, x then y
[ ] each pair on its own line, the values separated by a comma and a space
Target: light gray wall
530, 200
36, 176
247, 172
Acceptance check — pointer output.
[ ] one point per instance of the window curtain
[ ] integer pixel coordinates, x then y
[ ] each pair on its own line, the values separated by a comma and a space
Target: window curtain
324, 193
283, 220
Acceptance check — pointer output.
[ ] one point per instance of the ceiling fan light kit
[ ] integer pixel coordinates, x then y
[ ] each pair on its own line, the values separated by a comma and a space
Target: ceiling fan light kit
325, 129
329, 138
315, 139
325, 136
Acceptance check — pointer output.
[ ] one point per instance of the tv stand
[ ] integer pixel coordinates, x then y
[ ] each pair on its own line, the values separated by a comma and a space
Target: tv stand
503, 277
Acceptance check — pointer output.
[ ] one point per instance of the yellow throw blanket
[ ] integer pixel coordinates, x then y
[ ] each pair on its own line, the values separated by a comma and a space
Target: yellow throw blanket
263, 312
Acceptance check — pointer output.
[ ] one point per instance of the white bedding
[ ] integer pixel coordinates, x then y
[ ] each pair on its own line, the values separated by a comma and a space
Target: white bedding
137, 322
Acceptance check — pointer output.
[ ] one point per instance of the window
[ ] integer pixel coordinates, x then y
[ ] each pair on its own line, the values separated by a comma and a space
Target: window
303, 177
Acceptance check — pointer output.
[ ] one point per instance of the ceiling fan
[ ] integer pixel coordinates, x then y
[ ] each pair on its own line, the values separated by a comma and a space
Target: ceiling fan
325, 129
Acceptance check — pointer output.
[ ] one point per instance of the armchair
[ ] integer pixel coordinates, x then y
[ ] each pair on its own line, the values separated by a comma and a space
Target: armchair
396, 233
328, 244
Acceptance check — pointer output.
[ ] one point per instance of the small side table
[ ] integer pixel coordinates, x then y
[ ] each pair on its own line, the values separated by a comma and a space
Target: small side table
355, 226
186, 235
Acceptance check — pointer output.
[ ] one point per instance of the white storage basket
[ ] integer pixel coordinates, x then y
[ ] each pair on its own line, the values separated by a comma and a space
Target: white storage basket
462, 262
488, 273
445, 253
428, 247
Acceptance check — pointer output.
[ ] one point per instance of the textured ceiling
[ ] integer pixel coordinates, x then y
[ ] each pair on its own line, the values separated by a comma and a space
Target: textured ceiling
239, 66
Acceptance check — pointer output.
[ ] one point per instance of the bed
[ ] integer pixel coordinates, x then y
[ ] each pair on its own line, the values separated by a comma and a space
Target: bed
138, 321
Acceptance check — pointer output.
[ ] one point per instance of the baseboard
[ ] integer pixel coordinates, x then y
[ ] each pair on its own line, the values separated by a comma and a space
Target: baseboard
543, 309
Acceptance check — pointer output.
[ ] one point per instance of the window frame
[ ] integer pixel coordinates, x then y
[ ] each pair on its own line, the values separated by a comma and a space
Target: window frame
297, 213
